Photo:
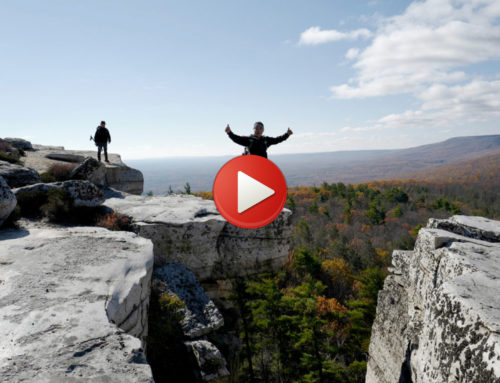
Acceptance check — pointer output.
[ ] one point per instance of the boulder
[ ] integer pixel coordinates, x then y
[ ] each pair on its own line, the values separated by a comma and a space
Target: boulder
118, 175
7, 201
19, 143
16, 175
73, 305
66, 157
121, 177
200, 315
190, 230
82, 193
211, 363
438, 315
90, 170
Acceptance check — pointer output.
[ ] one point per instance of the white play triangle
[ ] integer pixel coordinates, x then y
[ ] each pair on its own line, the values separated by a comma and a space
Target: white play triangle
251, 192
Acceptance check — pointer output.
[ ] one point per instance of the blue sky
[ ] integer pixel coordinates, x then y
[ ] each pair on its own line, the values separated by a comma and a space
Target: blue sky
168, 76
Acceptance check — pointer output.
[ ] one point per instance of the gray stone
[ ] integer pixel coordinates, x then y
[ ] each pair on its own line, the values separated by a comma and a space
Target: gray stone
438, 316
16, 175
471, 227
19, 143
7, 201
83, 193
211, 363
207, 244
90, 170
73, 305
66, 157
47, 147
118, 175
200, 315
121, 177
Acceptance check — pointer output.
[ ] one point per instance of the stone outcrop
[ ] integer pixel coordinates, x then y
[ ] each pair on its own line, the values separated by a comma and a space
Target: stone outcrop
200, 315
438, 316
19, 143
211, 363
17, 175
73, 305
7, 201
90, 170
191, 231
82, 193
118, 175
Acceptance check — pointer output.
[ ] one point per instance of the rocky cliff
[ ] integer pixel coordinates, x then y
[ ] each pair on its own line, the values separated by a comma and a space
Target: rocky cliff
117, 176
74, 301
438, 316
74, 304
190, 230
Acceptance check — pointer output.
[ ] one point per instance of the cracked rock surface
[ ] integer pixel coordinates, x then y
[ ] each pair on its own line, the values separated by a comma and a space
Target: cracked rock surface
438, 316
73, 305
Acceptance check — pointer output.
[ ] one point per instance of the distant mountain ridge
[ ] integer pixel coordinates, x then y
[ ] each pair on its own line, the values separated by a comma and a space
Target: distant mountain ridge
314, 168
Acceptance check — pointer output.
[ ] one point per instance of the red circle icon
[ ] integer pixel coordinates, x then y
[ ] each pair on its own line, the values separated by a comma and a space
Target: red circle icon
250, 191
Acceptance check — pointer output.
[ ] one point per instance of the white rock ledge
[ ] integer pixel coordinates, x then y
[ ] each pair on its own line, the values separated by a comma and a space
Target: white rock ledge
190, 230
60, 291
438, 316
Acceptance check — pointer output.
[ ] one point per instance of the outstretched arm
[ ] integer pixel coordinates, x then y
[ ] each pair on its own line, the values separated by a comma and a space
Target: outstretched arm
277, 140
245, 141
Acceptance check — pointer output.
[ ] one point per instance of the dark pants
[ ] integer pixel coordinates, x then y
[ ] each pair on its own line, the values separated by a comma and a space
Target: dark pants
101, 146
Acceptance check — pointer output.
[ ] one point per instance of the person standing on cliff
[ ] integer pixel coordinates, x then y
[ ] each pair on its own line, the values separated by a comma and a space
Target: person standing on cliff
257, 143
101, 139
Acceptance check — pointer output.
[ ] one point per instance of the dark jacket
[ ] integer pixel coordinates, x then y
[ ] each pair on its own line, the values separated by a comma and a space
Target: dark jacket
257, 146
102, 136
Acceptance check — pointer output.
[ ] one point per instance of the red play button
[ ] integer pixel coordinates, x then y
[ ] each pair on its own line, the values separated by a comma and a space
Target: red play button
250, 191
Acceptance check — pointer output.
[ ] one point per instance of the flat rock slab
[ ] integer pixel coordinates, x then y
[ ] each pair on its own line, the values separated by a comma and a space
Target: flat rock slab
60, 291
190, 230
66, 157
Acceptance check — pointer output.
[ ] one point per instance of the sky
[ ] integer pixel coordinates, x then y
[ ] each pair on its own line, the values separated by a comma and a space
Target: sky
168, 76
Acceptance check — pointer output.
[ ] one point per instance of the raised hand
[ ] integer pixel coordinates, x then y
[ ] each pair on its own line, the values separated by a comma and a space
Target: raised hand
228, 129
289, 131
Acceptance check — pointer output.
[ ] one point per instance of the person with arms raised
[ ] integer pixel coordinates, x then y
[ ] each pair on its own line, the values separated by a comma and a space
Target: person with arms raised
257, 143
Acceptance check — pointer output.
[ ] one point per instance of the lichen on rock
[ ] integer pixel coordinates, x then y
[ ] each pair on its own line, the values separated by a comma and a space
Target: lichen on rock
438, 316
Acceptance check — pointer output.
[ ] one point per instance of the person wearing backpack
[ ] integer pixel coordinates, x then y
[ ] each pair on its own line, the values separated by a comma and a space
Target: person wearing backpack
257, 143
101, 139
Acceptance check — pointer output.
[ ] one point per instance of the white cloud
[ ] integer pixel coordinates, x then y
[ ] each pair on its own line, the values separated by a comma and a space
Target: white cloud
316, 36
444, 107
431, 42
474, 101
352, 53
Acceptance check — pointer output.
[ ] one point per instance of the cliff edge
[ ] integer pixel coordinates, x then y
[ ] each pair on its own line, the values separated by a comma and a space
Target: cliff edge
118, 175
74, 305
438, 315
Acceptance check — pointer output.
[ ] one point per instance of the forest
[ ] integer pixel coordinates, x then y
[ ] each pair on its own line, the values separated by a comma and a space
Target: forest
311, 322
